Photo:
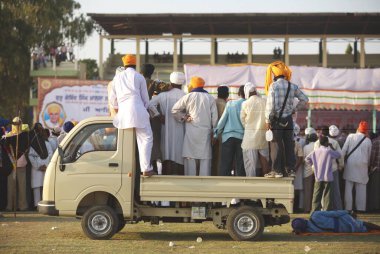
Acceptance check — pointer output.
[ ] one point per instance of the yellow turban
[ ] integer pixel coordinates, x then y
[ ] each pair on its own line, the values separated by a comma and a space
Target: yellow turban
276, 69
53, 108
129, 59
196, 82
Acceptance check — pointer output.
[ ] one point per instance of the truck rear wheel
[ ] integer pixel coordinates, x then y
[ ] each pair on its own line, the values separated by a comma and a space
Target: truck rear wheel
100, 222
245, 223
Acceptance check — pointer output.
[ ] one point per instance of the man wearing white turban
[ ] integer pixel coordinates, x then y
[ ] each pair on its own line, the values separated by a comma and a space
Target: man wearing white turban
172, 129
254, 145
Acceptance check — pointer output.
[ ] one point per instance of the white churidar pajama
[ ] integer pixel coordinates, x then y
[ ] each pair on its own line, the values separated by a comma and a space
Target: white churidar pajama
129, 95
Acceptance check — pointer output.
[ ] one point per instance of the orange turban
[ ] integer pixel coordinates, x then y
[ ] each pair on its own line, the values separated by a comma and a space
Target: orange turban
363, 127
196, 82
129, 59
276, 69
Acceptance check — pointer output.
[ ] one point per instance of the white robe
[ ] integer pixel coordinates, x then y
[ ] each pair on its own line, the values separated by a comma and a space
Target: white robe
252, 116
202, 109
37, 179
173, 131
53, 141
356, 167
129, 95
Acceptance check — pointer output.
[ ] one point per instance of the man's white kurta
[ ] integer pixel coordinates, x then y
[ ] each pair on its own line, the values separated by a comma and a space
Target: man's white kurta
173, 131
202, 109
129, 95
252, 116
356, 167
37, 177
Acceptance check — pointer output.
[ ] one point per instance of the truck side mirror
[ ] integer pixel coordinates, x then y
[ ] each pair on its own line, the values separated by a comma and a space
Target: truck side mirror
60, 152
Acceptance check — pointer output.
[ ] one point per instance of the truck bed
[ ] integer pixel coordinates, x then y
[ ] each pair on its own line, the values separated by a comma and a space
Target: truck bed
216, 189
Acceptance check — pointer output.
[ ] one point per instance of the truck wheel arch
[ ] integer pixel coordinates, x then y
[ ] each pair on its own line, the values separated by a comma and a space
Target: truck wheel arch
98, 198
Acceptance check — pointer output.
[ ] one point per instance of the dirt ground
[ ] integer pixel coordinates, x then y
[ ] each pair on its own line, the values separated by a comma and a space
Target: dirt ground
31, 232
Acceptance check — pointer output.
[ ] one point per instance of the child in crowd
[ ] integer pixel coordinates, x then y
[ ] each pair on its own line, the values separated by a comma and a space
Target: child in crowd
321, 159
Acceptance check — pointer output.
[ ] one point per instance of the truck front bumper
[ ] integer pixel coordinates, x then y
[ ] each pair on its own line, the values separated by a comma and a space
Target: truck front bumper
47, 208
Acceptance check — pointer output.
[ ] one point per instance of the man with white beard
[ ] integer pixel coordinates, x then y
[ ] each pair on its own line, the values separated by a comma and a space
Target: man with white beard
173, 128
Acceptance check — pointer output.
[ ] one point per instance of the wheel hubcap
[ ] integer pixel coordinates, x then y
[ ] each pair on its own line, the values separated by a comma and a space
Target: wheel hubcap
99, 223
245, 224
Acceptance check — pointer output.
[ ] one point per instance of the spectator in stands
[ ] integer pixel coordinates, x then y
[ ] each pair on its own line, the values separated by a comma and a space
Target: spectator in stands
322, 159
201, 118
337, 165
63, 52
308, 173
254, 145
172, 128
373, 190
221, 101
278, 116
129, 96
357, 152
232, 131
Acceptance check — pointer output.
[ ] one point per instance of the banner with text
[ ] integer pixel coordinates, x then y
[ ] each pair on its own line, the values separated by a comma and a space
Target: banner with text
61, 100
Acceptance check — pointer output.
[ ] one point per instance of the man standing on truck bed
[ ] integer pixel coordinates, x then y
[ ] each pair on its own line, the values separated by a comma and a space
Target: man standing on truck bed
172, 130
281, 94
201, 118
129, 97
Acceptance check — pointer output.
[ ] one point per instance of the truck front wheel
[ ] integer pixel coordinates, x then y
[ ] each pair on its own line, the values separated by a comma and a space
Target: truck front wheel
100, 222
245, 223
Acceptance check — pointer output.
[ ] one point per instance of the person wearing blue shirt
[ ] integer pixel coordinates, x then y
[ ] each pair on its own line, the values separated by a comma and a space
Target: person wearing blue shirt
232, 135
340, 221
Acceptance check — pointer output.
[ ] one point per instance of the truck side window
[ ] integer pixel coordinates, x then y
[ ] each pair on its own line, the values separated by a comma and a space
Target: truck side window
95, 137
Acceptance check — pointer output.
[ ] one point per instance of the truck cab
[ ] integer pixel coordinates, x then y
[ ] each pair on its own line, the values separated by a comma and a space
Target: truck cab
94, 175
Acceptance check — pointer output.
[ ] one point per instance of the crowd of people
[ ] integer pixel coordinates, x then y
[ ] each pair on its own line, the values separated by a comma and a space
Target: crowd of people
41, 56
194, 134
24, 156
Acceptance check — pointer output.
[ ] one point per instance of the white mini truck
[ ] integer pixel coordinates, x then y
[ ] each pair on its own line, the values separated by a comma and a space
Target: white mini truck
94, 176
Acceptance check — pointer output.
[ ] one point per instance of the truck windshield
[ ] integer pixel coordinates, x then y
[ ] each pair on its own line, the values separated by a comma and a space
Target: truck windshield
91, 138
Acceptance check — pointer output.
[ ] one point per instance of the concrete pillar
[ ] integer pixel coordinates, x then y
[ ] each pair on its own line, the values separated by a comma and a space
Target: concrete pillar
138, 60
249, 56
286, 50
112, 46
324, 52
212, 55
362, 52
175, 55
181, 51
146, 51
101, 69
216, 51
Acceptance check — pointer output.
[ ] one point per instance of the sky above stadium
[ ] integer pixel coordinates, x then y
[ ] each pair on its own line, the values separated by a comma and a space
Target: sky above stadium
309, 46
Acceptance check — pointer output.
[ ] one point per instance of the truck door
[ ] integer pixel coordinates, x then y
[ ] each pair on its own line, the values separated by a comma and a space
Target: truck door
91, 162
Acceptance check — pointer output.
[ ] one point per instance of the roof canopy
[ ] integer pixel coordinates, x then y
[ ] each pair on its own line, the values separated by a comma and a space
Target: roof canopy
241, 24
